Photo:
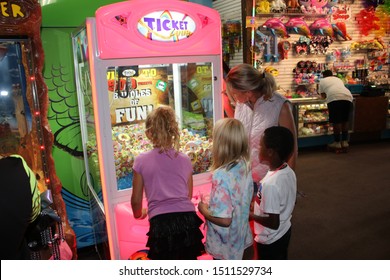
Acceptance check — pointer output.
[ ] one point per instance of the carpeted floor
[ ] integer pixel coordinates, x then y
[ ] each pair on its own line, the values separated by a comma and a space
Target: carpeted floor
343, 206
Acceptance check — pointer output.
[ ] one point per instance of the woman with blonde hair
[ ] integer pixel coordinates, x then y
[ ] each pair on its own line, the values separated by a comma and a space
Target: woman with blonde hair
258, 106
228, 235
165, 174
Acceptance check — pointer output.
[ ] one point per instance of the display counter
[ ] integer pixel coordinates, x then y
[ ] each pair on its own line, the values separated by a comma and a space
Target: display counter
369, 120
371, 115
311, 117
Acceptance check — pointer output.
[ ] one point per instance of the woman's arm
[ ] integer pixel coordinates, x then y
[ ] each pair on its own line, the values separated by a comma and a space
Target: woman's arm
137, 196
286, 119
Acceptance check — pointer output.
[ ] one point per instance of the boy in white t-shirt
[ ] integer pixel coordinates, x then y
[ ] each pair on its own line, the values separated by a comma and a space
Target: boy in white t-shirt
276, 196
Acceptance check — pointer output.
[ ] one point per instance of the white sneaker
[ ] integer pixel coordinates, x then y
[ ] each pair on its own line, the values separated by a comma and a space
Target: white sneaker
335, 145
344, 144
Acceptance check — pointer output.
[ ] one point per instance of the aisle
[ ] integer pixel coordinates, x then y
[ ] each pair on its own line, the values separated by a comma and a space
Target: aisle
343, 206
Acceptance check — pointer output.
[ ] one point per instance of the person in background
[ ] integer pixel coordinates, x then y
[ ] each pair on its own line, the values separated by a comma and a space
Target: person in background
275, 199
165, 174
20, 205
229, 236
259, 106
339, 101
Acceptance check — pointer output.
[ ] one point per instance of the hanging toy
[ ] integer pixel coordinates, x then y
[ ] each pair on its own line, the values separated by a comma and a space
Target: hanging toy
321, 27
301, 47
272, 70
367, 19
274, 46
345, 54
330, 57
284, 47
340, 31
266, 48
297, 25
277, 28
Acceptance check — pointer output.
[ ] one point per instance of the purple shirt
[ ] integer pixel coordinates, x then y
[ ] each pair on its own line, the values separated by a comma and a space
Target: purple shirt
165, 181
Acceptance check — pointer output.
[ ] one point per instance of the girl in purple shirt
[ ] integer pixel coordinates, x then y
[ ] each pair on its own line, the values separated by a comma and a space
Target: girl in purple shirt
165, 174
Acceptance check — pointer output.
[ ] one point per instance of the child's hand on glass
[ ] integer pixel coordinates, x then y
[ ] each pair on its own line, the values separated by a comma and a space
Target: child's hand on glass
205, 198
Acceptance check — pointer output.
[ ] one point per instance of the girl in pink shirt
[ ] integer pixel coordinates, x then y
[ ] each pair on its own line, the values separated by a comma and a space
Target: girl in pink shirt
165, 174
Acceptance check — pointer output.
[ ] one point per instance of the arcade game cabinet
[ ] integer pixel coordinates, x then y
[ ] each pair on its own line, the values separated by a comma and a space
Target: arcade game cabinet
130, 58
23, 101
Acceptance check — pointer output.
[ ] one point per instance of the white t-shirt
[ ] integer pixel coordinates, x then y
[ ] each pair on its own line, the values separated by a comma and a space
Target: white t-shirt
276, 195
334, 89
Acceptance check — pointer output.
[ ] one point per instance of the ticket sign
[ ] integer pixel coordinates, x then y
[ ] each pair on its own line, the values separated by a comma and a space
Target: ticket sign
133, 29
166, 26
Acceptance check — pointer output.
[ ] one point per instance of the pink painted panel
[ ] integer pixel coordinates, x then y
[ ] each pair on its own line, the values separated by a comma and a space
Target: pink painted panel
132, 233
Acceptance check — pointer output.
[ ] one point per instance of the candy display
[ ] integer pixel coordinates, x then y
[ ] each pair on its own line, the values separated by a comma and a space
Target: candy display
313, 120
130, 140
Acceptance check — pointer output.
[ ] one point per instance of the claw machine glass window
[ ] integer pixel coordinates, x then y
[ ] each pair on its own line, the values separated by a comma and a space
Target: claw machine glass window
130, 59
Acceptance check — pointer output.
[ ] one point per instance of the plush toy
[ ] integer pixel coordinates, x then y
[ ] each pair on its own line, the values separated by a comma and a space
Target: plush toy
272, 70
278, 6
314, 6
263, 7
305, 3
319, 4
293, 4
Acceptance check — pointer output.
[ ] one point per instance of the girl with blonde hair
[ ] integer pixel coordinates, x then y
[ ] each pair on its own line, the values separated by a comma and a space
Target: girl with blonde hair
228, 235
165, 174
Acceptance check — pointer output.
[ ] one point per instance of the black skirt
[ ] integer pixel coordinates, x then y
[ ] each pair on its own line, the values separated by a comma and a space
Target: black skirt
175, 236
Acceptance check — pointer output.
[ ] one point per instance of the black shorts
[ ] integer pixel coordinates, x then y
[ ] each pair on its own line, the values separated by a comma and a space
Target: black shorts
175, 236
339, 111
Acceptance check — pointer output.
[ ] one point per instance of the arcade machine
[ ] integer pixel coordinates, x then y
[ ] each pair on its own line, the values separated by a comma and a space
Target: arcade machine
130, 58
23, 101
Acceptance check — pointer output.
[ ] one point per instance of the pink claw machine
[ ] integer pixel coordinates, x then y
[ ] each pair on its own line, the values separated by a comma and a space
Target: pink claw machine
130, 58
